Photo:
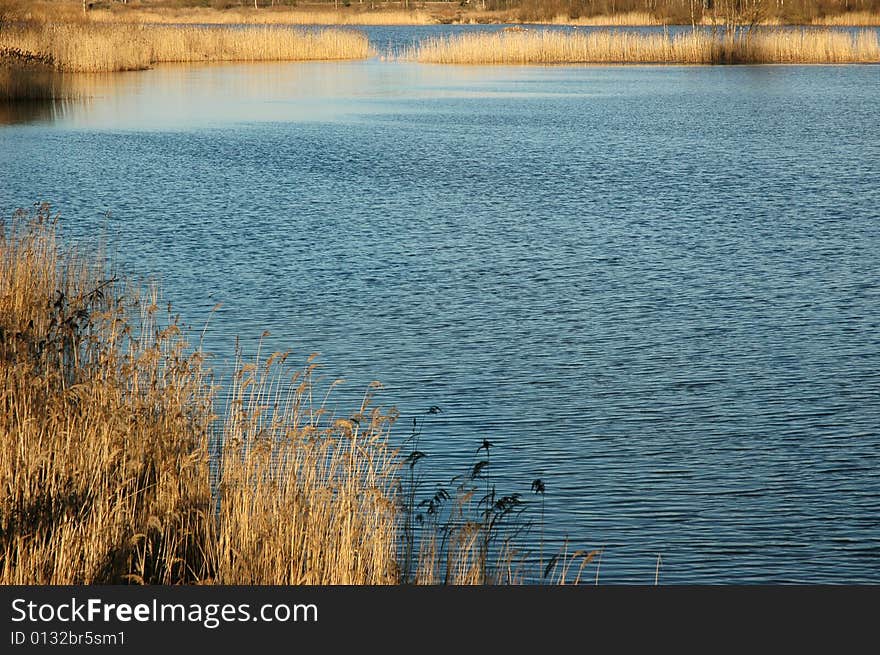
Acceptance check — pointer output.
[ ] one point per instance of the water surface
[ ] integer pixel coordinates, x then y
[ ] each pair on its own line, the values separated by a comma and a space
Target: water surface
656, 288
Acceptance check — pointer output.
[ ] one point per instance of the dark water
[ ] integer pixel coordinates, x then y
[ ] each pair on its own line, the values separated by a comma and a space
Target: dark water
656, 288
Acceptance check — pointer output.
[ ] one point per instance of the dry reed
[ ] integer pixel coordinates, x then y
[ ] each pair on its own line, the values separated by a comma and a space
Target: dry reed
102, 466
851, 19
650, 13
115, 468
633, 18
105, 446
91, 47
266, 16
304, 498
618, 47
254, 44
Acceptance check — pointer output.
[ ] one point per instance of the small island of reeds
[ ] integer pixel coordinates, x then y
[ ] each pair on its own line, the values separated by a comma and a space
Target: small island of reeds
34, 56
98, 47
731, 46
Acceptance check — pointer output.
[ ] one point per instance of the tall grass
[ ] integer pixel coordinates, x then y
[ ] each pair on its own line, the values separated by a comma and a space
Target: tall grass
169, 43
851, 19
121, 463
103, 472
573, 12
617, 47
466, 530
70, 11
107, 428
634, 18
82, 47
304, 498
265, 16
94, 47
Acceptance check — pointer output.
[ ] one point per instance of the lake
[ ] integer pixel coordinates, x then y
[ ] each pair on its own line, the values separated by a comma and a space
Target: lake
655, 288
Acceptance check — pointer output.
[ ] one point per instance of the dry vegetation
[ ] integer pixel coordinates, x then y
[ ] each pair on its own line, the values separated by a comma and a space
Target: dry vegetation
94, 47
850, 19
251, 16
102, 473
614, 47
106, 436
70, 11
117, 467
405, 12
304, 498
35, 50
633, 18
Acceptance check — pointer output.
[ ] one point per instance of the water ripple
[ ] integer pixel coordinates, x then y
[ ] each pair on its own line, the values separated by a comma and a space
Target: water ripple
655, 288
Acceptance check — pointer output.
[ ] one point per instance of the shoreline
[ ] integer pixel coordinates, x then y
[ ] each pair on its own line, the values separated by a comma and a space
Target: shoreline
422, 13
36, 59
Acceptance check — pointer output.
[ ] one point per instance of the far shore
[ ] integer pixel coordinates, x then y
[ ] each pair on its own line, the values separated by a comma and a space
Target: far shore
267, 12
41, 42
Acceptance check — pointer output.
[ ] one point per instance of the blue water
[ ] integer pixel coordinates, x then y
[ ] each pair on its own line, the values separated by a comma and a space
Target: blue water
655, 288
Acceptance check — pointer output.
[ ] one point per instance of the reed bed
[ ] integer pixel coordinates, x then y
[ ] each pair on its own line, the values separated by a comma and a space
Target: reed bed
632, 18
852, 19
108, 443
265, 16
120, 462
169, 43
95, 47
103, 473
304, 498
82, 47
621, 47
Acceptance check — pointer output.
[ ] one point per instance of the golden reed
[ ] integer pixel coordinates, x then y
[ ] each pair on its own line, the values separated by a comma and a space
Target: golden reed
430, 13
109, 445
621, 47
121, 463
71, 12
851, 19
96, 47
266, 16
